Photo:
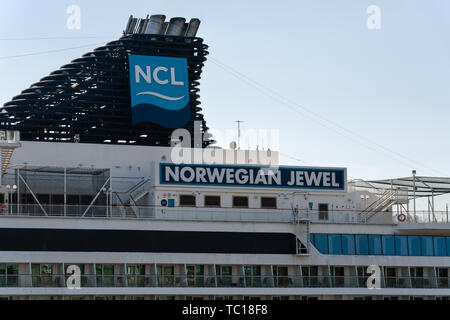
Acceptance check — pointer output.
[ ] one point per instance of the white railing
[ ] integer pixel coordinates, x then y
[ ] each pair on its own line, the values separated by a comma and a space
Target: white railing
214, 214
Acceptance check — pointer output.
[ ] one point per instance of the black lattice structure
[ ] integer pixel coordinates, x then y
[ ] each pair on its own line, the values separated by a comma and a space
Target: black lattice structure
88, 100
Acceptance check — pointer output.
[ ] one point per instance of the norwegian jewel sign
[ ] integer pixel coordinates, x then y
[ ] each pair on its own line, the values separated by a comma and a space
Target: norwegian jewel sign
159, 88
251, 176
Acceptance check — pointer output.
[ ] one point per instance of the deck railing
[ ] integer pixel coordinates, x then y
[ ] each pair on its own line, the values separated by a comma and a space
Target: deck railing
212, 214
142, 281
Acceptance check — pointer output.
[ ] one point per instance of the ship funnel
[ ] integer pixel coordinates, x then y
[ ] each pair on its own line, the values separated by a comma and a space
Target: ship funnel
176, 27
192, 28
155, 24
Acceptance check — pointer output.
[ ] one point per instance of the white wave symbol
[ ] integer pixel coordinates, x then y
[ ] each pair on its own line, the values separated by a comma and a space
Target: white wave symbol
150, 93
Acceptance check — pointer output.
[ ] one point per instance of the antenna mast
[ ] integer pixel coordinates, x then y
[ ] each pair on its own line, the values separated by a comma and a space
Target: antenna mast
239, 133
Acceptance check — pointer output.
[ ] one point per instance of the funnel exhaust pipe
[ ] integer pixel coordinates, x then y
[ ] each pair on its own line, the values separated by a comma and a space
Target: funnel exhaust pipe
176, 27
155, 24
192, 28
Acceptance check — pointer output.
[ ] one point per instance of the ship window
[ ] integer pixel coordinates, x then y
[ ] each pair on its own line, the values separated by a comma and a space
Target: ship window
165, 298
334, 243
43, 198
401, 245
165, 275
135, 275
390, 277
240, 202
268, 202
280, 297
252, 298
388, 244
414, 245
252, 276
442, 274
338, 276
212, 201
9, 275
86, 199
348, 244
361, 273
57, 199
280, 274
136, 269
73, 199
223, 297
323, 211
417, 272
439, 246
448, 246
187, 200
375, 244
195, 275
362, 244
426, 243
42, 275
105, 275
27, 199
321, 243
417, 280
223, 270
224, 276
310, 276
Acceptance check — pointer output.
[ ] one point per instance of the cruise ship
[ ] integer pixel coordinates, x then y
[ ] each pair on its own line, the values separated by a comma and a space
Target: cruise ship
112, 189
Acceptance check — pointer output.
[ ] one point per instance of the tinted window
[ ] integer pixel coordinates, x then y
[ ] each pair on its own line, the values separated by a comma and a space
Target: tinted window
323, 211
439, 246
448, 246
362, 244
240, 202
57, 199
401, 245
348, 244
414, 245
334, 243
212, 201
187, 200
388, 243
375, 244
321, 243
426, 243
268, 202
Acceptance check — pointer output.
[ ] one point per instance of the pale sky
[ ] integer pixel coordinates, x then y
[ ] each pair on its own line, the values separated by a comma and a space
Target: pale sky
340, 94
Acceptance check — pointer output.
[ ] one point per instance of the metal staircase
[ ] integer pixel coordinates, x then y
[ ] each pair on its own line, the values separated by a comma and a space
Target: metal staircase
302, 232
384, 202
9, 140
128, 200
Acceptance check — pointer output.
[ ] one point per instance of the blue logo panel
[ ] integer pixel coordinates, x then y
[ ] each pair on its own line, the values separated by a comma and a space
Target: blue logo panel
330, 179
159, 88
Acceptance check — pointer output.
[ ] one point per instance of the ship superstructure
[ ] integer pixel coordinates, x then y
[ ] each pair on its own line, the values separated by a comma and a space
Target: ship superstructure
87, 182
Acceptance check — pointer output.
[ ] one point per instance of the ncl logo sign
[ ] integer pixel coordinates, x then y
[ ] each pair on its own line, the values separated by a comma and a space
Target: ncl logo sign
159, 88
